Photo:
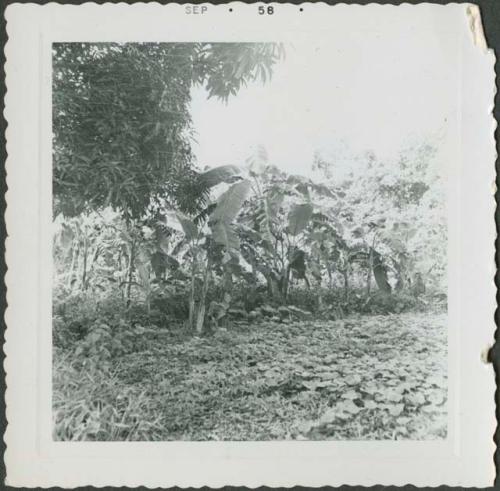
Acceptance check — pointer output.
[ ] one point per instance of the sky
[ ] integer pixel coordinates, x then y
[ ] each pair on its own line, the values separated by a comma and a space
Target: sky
381, 88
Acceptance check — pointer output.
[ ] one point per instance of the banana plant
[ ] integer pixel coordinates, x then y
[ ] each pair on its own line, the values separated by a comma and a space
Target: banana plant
207, 234
274, 223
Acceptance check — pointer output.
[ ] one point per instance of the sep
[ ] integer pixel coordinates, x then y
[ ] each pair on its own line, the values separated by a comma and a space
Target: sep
196, 9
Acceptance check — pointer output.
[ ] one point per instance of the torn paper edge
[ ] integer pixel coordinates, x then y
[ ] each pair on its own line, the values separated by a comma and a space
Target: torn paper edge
476, 26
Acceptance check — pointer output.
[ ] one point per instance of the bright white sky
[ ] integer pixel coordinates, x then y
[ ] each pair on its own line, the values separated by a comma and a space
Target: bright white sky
381, 87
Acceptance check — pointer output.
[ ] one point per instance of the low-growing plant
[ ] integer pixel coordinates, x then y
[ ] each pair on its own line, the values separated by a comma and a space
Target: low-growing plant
81, 317
169, 306
72, 317
104, 343
89, 403
396, 303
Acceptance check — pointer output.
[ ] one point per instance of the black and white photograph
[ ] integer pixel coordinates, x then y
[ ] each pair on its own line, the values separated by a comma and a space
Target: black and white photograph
249, 244
237, 255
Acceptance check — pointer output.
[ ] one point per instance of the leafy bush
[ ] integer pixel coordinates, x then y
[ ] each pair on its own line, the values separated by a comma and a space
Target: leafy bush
304, 298
336, 305
171, 306
104, 342
249, 298
81, 320
72, 317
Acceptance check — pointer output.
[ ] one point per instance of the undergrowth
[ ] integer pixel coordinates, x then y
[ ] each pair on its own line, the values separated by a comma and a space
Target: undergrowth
364, 377
91, 403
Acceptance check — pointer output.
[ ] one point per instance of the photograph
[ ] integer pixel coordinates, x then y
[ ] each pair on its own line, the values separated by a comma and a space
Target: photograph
237, 254
250, 244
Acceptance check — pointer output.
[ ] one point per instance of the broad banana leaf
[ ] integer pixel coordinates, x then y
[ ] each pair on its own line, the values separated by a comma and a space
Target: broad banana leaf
224, 234
230, 202
297, 179
224, 173
268, 217
249, 233
323, 190
182, 223
143, 272
299, 217
267, 221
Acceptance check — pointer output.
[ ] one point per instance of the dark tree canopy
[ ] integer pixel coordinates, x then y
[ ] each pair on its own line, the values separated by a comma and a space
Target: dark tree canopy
121, 122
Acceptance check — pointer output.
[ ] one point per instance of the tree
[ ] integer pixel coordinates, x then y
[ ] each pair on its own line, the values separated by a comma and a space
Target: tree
121, 119
393, 218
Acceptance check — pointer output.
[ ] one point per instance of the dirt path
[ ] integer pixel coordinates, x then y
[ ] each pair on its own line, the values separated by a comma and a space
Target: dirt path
381, 377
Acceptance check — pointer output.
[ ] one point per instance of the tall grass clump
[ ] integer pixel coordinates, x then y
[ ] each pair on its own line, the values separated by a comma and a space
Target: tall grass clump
90, 403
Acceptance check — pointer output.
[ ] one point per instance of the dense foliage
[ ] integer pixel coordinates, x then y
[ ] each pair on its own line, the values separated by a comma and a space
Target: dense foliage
266, 239
121, 118
150, 250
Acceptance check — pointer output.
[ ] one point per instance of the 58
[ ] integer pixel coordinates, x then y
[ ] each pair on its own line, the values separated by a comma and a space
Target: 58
269, 10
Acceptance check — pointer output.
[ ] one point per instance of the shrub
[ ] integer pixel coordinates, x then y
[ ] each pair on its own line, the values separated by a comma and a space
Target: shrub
105, 342
169, 306
248, 298
81, 320
304, 298
336, 305
72, 317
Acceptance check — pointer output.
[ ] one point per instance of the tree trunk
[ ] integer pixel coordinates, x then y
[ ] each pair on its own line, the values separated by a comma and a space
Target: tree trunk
400, 283
345, 273
95, 255
320, 297
369, 273
84, 268
272, 287
285, 284
330, 277
74, 259
191, 294
401, 269
120, 267
380, 274
130, 272
200, 317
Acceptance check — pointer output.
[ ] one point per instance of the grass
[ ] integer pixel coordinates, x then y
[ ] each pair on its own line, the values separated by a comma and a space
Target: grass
91, 403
